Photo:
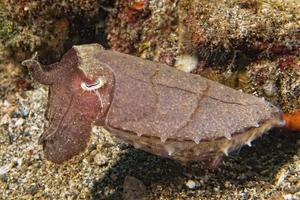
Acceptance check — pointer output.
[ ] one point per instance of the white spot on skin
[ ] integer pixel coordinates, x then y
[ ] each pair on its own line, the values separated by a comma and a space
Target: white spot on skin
228, 136
139, 134
163, 139
249, 143
197, 152
256, 125
99, 97
186, 63
170, 149
225, 150
197, 140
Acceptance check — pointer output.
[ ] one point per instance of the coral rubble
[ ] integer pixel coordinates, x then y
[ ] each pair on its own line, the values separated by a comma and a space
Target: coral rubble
236, 42
46, 26
215, 30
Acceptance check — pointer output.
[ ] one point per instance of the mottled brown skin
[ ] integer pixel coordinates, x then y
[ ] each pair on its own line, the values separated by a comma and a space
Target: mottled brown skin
150, 105
71, 111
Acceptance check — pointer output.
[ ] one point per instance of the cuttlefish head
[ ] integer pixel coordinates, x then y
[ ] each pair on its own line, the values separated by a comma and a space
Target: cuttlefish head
76, 101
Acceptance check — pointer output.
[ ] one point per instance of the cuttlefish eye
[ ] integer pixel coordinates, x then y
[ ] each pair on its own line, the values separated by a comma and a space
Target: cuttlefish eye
98, 83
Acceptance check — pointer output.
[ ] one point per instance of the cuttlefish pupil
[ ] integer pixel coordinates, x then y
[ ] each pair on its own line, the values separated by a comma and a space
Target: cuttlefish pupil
99, 82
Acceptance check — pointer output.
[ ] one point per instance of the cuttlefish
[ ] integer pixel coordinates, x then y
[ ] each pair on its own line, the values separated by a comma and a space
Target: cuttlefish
154, 107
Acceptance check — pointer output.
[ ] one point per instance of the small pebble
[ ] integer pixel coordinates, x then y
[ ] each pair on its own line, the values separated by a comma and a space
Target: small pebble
5, 119
6, 103
100, 159
288, 197
24, 112
5, 169
134, 189
217, 189
270, 89
19, 122
186, 63
227, 184
190, 184
19, 162
281, 177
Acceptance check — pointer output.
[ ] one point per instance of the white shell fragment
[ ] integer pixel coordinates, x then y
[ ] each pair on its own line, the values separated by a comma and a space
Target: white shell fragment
186, 63
5, 169
190, 184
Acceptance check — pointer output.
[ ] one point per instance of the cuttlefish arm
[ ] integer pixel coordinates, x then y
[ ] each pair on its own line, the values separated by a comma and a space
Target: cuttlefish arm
38, 72
74, 104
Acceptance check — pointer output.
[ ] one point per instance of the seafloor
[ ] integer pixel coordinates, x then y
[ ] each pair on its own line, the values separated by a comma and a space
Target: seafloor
268, 170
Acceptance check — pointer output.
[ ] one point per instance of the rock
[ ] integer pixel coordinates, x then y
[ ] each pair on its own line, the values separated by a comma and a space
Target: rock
5, 169
133, 189
288, 197
5, 119
190, 184
100, 159
24, 112
19, 122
